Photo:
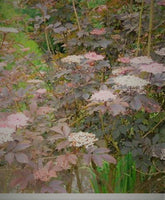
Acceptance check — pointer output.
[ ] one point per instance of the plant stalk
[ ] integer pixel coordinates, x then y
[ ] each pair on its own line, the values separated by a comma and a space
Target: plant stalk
102, 122
76, 15
131, 5
150, 28
3, 39
78, 180
140, 27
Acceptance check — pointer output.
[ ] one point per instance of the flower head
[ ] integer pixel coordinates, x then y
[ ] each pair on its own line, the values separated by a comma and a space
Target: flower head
6, 134
72, 59
103, 95
161, 3
123, 60
97, 31
35, 81
45, 173
153, 68
130, 81
93, 56
41, 91
141, 60
3, 64
44, 110
102, 8
121, 70
82, 139
161, 52
17, 120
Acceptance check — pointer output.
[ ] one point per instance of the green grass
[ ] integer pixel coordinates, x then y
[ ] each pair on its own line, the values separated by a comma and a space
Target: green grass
123, 175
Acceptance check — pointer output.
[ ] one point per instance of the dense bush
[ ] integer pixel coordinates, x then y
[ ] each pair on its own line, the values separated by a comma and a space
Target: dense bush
82, 89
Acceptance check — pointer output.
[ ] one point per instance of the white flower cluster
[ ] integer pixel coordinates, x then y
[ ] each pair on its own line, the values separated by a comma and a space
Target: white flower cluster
5, 134
82, 139
161, 52
162, 155
121, 70
130, 81
103, 95
35, 81
141, 60
72, 59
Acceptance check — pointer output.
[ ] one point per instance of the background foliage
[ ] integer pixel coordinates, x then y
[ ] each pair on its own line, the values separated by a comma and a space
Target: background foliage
53, 95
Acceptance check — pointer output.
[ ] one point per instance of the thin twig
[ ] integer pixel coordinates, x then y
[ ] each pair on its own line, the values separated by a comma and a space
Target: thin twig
76, 15
150, 28
3, 39
140, 27
78, 180
154, 127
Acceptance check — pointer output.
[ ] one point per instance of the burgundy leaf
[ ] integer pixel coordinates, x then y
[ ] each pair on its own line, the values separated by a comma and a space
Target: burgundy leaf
57, 129
117, 109
101, 150
47, 189
62, 145
72, 158
135, 103
87, 158
91, 149
66, 130
62, 162
11, 146
9, 157
14, 182
1, 153
57, 186
21, 146
19, 181
98, 160
56, 137
33, 107
109, 158
150, 105
48, 165
21, 158
22, 178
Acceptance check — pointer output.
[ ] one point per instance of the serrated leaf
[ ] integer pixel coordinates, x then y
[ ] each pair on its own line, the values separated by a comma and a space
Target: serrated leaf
117, 109
72, 159
109, 158
22, 146
57, 129
33, 106
101, 150
98, 160
62, 145
66, 130
57, 186
21, 158
87, 158
9, 157
136, 104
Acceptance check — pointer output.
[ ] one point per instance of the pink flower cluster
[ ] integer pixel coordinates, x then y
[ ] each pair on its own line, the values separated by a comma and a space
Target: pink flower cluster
103, 95
153, 68
45, 173
102, 8
161, 3
122, 70
98, 31
93, 56
44, 110
41, 91
17, 120
123, 60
